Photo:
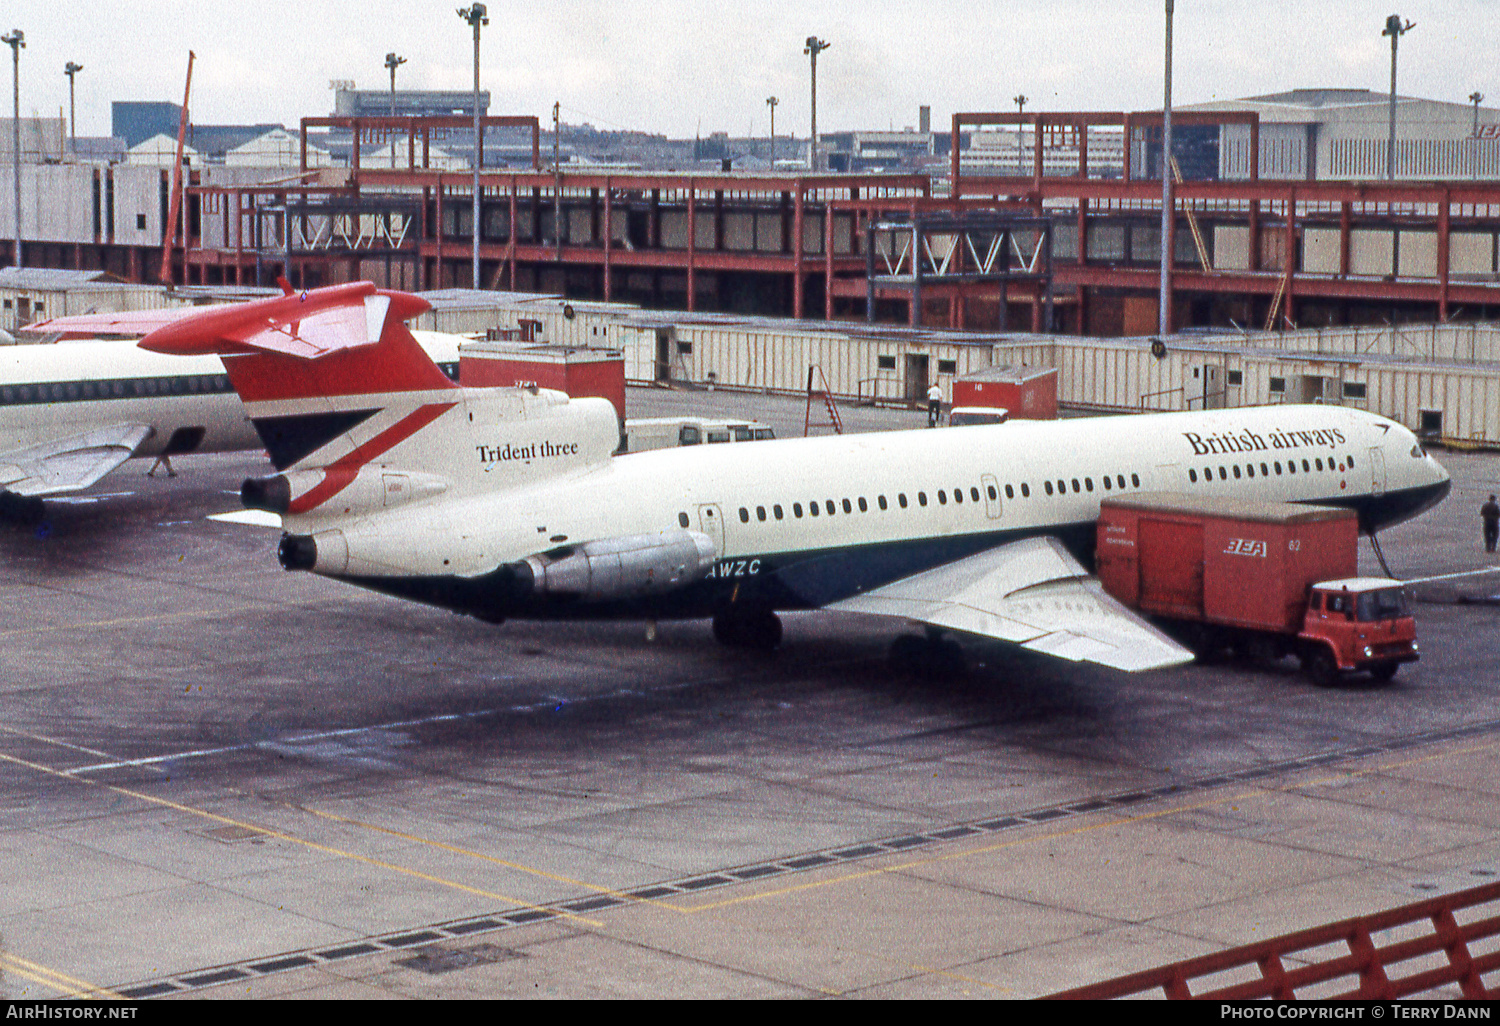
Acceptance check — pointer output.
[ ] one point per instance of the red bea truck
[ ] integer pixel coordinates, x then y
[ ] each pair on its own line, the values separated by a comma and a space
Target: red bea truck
1267, 579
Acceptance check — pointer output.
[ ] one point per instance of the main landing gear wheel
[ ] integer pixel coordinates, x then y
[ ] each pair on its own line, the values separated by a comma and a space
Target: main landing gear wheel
928, 657
758, 630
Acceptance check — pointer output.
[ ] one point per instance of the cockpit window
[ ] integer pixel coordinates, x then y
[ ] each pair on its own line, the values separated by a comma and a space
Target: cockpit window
1416, 452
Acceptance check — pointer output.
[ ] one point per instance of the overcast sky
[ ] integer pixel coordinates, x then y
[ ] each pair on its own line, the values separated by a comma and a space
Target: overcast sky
678, 66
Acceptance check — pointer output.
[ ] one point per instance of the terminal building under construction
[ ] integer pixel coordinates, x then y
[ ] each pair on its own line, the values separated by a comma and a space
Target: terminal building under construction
1293, 233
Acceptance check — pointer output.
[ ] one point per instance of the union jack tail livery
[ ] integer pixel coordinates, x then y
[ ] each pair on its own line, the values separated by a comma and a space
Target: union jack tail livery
355, 415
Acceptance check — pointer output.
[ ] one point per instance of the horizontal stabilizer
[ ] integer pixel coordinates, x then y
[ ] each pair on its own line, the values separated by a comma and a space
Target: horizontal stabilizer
124, 322
1032, 593
343, 340
307, 325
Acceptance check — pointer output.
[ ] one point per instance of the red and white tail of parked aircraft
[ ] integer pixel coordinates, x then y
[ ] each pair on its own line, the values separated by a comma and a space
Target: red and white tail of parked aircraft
505, 502
70, 413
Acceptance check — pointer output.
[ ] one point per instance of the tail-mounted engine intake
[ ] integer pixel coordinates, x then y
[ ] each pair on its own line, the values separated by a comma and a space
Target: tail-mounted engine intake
338, 491
624, 567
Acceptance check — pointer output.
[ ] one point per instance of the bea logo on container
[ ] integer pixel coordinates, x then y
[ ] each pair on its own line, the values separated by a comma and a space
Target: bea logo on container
1245, 547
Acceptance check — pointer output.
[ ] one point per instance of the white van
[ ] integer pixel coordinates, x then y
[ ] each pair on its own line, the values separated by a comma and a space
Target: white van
665, 432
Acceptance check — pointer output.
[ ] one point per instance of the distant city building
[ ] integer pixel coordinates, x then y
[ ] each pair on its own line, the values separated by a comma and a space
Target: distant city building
215, 142
882, 151
374, 103
43, 140
1337, 134
135, 121
161, 149
98, 149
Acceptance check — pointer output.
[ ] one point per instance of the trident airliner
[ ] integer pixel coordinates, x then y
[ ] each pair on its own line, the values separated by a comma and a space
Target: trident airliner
504, 502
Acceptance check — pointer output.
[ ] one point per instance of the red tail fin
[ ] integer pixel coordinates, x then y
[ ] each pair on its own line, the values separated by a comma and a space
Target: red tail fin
343, 340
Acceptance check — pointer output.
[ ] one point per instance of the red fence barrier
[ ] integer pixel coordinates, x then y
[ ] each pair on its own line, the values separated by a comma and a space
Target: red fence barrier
1426, 939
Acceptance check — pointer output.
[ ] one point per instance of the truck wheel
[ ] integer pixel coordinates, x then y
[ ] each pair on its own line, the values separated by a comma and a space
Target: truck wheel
1384, 671
1319, 665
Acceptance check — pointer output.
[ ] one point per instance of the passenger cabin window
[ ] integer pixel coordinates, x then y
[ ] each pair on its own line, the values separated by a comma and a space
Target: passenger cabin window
921, 498
797, 510
829, 506
760, 513
901, 499
682, 520
776, 510
1025, 490
1135, 481
744, 515
847, 507
881, 500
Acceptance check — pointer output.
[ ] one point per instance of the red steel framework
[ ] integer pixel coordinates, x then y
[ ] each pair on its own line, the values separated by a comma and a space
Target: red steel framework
1276, 213
1287, 967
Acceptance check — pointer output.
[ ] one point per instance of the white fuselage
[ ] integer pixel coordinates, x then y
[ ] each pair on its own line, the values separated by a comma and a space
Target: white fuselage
54, 391
893, 502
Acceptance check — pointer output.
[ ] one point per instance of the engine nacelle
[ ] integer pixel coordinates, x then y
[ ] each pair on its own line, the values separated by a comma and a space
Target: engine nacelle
624, 567
338, 491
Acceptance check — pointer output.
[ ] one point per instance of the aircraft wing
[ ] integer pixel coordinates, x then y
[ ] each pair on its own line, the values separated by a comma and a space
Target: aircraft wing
71, 463
1032, 593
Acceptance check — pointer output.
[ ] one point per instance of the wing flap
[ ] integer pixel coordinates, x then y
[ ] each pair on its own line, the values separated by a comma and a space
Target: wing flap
1031, 593
71, 463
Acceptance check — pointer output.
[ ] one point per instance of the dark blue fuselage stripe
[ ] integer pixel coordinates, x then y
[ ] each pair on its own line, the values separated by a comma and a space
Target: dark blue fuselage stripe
807, 579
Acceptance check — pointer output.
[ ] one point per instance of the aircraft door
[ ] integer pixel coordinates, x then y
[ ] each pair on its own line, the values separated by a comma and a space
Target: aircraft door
1377, 470
711, 523
991, 488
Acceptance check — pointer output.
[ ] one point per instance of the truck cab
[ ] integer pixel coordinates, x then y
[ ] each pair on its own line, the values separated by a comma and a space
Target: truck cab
1357, 624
